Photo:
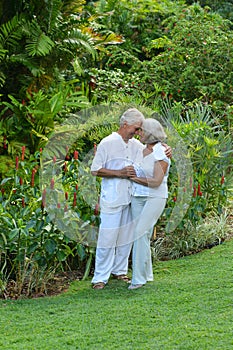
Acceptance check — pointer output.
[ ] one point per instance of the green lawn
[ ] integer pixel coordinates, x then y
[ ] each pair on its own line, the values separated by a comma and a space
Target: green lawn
188, 306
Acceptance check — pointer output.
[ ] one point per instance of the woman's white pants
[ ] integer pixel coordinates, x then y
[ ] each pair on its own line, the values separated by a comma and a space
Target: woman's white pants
146, 211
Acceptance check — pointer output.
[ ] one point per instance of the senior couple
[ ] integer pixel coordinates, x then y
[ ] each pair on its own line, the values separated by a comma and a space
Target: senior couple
133, 196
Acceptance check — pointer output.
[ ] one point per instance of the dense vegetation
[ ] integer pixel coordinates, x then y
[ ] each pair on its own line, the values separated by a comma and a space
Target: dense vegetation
67, 71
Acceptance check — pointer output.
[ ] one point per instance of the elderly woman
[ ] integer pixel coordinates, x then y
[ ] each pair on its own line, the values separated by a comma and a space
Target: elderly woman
149, 198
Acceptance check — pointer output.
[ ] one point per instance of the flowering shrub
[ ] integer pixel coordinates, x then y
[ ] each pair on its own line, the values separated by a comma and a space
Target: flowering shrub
32, 246
209, 182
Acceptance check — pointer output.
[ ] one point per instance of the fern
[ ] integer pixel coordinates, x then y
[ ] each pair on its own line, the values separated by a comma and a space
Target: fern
38, 44
77, 39
10, 32
2, 79
28, 63
2, 53
54, 12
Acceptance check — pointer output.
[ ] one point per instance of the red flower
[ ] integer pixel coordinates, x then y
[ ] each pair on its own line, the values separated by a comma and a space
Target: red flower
199, 190
96, 210
66, 195
174, 199
54, 159
65, 167
4, 142
52, 182
43, 197
33, 177
75, 199
23, 152
41, 150
76, 187
23, 202
58, 205
20, 181
75, 155
222, 180
194, 191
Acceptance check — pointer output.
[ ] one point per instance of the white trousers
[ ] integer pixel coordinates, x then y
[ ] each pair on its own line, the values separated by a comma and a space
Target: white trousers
146, 211
114, 244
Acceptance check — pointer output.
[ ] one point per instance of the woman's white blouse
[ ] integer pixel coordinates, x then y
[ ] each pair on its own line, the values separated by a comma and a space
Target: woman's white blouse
145, 168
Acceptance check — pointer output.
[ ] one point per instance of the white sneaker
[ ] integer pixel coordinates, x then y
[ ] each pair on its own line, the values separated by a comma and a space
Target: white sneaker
135, 286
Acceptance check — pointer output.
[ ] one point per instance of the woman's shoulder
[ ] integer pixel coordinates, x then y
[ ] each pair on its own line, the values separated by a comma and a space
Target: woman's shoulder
159, 152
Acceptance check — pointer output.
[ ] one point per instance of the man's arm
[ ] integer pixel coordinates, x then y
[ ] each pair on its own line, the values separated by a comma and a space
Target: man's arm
124, 173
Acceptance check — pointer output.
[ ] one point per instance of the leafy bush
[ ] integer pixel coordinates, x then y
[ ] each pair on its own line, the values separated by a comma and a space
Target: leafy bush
206, 186
32, 246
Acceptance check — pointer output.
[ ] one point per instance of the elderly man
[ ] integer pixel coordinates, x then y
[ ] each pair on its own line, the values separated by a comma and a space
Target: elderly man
113, 162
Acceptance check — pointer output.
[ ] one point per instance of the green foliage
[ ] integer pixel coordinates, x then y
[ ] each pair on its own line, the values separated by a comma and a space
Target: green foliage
193, 59
33, 245
32, 120
223, 7
209, 183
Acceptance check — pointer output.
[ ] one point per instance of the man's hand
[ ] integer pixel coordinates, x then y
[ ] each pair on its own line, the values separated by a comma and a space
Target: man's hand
128, 172
124, 173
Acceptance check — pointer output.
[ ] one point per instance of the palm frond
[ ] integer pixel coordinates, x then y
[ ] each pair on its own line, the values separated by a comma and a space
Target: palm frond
38, 44
54, 12
77, 40
2, 52
2, 79
28, 63
10, 32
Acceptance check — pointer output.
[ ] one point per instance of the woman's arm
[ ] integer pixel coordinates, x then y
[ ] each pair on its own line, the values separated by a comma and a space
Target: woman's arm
160, 169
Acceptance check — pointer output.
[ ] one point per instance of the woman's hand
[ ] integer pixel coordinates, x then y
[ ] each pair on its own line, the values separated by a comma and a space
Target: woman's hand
168, 150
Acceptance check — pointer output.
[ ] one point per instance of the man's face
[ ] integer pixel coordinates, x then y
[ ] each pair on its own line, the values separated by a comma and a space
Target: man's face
133, 129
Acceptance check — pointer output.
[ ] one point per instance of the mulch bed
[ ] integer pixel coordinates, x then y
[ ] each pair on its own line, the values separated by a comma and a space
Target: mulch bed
59, 284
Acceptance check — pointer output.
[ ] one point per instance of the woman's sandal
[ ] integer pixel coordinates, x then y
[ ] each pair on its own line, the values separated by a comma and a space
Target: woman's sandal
98, 285
124, 278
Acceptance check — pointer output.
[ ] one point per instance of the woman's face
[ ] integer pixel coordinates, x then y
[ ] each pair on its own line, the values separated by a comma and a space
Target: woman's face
142, 135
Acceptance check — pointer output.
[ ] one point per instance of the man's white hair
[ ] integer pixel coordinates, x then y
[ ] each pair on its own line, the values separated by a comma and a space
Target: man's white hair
131, 116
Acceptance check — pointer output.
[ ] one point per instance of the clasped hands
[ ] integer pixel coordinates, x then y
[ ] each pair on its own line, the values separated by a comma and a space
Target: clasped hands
128, 172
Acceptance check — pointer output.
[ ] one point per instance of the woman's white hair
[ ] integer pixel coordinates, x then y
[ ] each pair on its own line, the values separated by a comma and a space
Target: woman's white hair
131, 116
153, 131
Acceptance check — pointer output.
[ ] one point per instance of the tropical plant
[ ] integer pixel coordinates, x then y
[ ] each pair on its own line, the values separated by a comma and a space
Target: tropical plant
193, 59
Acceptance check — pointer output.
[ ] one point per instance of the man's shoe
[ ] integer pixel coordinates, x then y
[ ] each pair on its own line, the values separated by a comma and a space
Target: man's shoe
98, 285
124, 278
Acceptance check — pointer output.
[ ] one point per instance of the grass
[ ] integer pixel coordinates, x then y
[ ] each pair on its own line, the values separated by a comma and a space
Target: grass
188, 306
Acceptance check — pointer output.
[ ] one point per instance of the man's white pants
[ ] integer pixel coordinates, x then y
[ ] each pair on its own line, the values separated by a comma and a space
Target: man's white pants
146, 211
114, 244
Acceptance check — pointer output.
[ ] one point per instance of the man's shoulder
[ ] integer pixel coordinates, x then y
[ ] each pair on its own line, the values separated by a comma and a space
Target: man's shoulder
111, 137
